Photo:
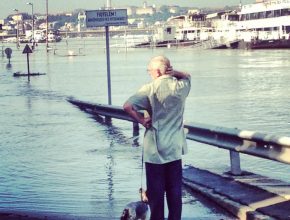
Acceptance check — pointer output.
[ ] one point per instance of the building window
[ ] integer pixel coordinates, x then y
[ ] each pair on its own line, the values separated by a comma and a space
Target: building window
285, 12
269, 14
277, 13
261, 15
253, 16
233, 17
243, 17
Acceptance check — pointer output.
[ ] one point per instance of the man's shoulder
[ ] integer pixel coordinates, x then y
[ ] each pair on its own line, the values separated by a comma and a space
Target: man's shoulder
146, 87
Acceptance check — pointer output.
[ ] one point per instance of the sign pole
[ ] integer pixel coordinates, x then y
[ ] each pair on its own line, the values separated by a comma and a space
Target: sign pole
108, 64
28, 69
27, 50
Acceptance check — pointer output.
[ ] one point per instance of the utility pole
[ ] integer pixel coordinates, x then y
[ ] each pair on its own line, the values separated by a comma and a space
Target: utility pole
46, 25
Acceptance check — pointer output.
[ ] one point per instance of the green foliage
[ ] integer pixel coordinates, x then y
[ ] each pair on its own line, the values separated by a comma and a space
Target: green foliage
164, 9
62, 19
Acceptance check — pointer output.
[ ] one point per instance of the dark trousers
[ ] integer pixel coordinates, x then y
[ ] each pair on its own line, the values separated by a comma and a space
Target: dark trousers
161, 179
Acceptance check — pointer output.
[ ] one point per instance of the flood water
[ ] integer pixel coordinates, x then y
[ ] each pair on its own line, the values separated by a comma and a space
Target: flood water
59, 161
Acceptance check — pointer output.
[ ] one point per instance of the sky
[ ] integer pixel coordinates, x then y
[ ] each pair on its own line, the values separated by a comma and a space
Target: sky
58, 6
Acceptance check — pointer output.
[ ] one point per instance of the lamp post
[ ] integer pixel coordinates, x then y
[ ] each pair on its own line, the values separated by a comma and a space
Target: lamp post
46, 25
33, 42
17, 31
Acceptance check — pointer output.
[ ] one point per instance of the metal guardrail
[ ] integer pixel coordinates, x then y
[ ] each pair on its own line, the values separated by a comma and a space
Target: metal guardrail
102, 110
236, 141
249, 142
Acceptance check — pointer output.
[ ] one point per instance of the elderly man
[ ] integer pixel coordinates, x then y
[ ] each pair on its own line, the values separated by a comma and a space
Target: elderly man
164, 140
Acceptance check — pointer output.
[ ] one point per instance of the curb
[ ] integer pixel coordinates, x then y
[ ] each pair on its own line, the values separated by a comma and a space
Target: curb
245, 197
239, 210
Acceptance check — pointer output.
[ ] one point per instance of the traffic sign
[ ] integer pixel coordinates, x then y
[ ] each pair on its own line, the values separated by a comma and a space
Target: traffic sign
106, 18
102, 18
27, 49
8, 52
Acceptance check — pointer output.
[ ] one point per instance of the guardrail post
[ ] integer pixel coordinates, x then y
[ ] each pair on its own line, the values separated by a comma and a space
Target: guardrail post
135, 129
235, 163
108, 120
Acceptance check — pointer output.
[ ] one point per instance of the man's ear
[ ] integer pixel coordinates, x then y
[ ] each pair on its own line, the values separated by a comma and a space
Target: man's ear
158, 73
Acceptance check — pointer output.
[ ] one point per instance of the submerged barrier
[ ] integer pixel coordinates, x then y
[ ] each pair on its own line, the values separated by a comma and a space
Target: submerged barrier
236, 141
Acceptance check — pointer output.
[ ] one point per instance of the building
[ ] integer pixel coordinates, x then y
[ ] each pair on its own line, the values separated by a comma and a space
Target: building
145, 10
131, 10
174, 9
1, 26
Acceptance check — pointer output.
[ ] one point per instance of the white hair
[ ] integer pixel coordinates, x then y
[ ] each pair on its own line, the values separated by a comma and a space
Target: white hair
162, 63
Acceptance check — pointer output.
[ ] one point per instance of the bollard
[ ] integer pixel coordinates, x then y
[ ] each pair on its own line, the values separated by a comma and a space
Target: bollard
108, 120
235, 163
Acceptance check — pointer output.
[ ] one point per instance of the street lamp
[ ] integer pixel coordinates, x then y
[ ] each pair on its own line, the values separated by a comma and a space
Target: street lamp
109, 4
17, 31
29, 3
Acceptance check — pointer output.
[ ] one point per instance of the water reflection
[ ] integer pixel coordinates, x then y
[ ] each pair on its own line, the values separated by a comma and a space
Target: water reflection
118, 138
116, 134
110, 171
28, 96
8, 66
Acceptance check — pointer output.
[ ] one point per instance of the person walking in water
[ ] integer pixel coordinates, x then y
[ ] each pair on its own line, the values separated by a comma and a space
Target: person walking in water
163, 101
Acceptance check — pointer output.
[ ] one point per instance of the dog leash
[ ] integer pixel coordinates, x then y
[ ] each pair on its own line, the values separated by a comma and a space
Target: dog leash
142, 168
